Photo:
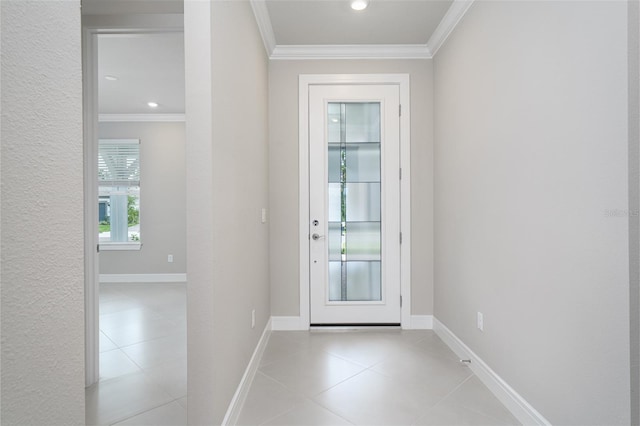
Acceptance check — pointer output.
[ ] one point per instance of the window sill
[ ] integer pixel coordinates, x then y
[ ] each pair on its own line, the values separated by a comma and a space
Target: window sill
119, 246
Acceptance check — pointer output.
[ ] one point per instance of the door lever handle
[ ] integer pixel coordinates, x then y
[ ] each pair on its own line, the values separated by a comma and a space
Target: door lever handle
317, 237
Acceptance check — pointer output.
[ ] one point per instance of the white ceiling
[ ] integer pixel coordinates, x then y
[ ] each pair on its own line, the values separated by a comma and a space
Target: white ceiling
333, 22
150, 67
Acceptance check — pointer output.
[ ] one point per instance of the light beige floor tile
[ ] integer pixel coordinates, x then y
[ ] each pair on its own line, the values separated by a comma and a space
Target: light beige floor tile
365, 348
177, 315
446, 414
433, 345
113, 400
183, 401
132, 314
116, 363
473, 394
171, 414
111, 295
373, 399
301, 337
307, 414
311, 372
125, 317
266, 400
106, 344
142, 331
415, 335
119, 305
154, 352
171, 376
280, 346
419, 380
167, 299
158, 294
421, 368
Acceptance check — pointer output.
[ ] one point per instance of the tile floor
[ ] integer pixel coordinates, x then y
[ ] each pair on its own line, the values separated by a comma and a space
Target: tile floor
143, 356
389, 377
381, 377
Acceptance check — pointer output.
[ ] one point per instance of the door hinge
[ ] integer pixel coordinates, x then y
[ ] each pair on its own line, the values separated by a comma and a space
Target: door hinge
401, 238
97, 248
401, 301
400, 173
399, 110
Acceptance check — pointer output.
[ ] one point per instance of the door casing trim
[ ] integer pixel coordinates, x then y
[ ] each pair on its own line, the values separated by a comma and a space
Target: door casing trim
403, 81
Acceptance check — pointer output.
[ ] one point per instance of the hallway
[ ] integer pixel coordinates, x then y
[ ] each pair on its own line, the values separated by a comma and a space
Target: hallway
525, 213
389, 377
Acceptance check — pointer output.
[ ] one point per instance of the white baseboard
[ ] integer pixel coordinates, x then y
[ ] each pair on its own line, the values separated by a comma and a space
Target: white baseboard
143, 278
421, 322
514, 402
288, 324
235, 406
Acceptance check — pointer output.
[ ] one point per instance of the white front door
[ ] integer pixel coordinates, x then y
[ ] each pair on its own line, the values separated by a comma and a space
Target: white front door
354, 205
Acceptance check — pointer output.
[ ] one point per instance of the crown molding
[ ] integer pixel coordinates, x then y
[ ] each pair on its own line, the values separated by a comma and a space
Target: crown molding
360, 51
449, 21
157, 118
264, 24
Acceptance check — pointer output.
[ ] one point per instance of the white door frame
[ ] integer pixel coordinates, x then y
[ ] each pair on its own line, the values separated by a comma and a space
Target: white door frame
402, 80
90, 128
142, 24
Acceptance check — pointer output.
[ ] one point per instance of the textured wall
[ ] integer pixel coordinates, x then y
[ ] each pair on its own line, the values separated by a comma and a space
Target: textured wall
42, 219
227, 185
283, 178
162, 200
531, 197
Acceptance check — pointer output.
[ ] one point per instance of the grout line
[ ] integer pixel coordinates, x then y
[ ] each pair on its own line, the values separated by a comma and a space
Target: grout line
312, 402
452, 391
278, 415
312, 398
150, 409
476, 410
133, 303
108, 338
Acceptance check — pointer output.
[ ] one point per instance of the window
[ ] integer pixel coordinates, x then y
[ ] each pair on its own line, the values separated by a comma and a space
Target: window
119, 194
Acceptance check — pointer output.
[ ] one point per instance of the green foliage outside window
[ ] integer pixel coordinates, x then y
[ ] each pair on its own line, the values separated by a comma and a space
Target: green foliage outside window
133, 213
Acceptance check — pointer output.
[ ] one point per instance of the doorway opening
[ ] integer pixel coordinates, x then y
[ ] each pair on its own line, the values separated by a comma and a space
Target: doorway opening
135, 243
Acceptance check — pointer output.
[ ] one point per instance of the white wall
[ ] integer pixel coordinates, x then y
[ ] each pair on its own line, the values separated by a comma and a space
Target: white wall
162, 199
283, 177
531, 155
42, 379
227, 185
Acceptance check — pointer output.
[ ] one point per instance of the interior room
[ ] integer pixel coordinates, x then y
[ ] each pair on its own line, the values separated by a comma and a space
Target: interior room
142, 273
494, 145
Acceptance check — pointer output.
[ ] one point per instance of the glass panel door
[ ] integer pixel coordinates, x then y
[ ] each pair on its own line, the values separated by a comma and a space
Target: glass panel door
354, 204
354, 201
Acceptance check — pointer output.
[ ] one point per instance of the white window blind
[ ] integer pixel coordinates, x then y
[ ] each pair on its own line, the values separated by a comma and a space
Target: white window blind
119, 162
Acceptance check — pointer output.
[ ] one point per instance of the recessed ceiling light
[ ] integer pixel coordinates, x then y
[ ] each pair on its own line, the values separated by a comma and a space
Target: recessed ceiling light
359, 4
152, 104
110, 77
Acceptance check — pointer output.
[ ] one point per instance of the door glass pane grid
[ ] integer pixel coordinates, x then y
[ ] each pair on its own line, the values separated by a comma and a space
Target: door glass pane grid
354, 186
